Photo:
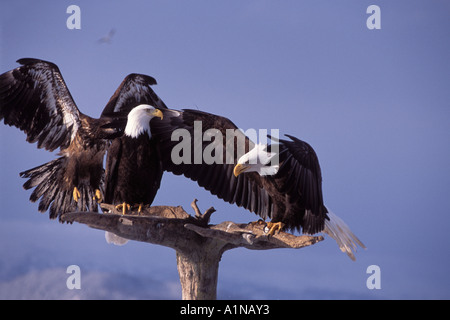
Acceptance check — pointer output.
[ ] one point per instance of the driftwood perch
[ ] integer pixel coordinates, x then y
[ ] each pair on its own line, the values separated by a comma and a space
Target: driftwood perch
199, 246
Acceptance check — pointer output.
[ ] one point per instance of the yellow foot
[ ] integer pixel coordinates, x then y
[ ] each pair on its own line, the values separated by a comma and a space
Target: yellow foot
124, 206
140, 207
275, 227
98, 196
76, 194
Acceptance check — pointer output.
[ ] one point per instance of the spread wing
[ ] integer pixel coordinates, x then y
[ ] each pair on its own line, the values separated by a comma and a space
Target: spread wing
134, 90
218, 178
35, 99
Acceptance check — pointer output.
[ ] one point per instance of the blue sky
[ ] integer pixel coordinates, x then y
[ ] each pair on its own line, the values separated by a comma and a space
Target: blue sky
373, 103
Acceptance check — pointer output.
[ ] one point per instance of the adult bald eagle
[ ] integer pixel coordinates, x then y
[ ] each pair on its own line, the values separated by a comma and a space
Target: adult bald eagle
133, 164
288, 191
35, 99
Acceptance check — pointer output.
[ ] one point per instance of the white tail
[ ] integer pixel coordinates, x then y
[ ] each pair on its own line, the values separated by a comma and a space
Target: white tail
339, 231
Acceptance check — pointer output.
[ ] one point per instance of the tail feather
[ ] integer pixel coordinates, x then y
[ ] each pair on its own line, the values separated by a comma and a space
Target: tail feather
347, 241
63, 202
43, 178
39, 174
47, 179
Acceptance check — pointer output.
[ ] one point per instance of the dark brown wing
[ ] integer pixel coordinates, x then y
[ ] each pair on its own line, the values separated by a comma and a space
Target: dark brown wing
35, 99
302, 180
134, 90
112, 169
245, 190
133, 171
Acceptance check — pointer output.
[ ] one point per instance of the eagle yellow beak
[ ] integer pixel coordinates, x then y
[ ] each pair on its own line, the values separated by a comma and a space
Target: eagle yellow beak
239, 168
157, 113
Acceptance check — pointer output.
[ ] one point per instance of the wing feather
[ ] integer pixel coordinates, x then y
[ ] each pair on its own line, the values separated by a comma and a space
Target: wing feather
245, 190
35, 99
301, 169
134, 90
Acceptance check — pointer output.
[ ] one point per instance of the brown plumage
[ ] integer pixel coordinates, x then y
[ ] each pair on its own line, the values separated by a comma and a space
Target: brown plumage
291, 195
35, 99
294, 196
133, 164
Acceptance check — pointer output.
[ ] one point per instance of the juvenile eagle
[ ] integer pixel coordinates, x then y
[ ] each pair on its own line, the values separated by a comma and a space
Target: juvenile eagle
35, 99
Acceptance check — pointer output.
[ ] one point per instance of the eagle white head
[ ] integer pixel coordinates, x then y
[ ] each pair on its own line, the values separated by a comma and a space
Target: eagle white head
257, 160
138, 121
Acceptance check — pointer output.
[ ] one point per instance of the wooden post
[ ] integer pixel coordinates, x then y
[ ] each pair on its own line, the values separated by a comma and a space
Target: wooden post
199, 246
198, 274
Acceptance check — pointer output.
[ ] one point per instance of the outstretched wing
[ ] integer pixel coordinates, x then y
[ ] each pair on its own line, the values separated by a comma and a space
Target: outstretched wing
216, 176
35, 99
134, 90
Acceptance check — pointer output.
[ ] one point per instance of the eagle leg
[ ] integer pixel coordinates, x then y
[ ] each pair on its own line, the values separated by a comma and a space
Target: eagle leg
97, 196
76, 194
275, 227
124, 206
139, 207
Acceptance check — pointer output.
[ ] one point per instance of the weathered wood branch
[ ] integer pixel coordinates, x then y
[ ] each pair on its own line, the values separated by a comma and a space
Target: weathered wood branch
199, 245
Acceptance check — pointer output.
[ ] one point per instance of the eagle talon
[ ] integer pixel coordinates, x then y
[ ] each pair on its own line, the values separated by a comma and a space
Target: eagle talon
76, 194
140, 207
124, 207
275, 227
98, 196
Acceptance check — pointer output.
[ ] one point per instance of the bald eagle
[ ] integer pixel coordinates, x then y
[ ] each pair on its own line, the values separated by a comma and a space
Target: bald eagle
133, 165
35, 99
295, 185
288, 191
